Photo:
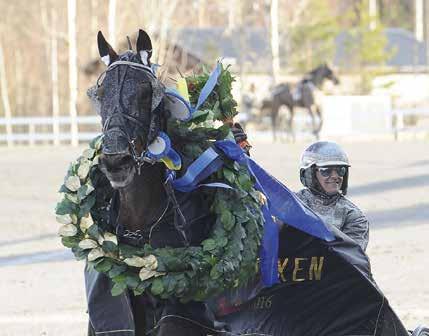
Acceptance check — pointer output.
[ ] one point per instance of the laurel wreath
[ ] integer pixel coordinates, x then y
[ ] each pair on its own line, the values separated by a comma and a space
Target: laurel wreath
226, 259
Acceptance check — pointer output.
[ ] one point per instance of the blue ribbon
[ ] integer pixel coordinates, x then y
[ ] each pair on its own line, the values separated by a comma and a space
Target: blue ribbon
173, 93
209, 86
281, 203
204, 94
207, 163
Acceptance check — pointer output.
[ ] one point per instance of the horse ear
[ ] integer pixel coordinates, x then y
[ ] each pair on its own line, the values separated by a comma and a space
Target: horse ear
144, 47
107, 54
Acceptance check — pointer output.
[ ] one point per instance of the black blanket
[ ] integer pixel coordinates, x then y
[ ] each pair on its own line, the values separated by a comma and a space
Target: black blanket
325, 289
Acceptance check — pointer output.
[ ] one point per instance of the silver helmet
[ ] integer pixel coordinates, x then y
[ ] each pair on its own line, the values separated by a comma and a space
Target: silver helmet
322, 154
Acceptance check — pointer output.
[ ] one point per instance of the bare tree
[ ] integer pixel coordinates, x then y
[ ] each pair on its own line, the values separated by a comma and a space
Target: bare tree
274, 40
112, 22
71, 9
54, 77
19, 81
5, 97
168, 8
373, 14
94, 26
419, 15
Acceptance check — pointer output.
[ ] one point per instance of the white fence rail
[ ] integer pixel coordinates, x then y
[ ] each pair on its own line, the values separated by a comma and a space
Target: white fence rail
343, 116
31, 133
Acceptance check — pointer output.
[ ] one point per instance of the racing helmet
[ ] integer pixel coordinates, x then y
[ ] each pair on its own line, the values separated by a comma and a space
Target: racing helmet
322, 154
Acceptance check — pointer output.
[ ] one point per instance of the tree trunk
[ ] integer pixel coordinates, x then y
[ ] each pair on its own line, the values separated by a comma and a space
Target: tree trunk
419, 20
372, 14
237, 19
71, 4
94, 27
111, 23
5, 98
274, 39
19, 80
170, 7
44, 90
54, 79
426, 24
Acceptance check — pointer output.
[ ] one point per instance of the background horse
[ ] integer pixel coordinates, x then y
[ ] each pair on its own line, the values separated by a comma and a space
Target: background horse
143, 208
302, 96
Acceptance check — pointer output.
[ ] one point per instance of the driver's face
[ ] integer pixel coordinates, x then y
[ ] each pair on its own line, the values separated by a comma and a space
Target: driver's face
331, 184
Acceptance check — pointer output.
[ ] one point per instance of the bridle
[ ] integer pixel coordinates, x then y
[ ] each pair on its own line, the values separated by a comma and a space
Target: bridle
143, 157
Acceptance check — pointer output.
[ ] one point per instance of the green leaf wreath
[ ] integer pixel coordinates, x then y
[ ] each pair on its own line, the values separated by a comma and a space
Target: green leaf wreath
226, 259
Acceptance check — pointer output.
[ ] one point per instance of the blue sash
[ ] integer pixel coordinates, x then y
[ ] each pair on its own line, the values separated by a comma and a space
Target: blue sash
281, 202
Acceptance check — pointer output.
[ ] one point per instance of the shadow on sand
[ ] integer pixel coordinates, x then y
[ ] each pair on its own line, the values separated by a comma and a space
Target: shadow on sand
418, 163
401, 183
417, 214
27, 240
35, 258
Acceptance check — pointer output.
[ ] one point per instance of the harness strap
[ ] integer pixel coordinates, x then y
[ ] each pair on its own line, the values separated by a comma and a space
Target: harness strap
133, 65
179, 218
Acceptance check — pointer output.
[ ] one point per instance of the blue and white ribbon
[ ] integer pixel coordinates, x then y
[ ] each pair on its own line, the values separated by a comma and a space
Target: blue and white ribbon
182, 109
161, 150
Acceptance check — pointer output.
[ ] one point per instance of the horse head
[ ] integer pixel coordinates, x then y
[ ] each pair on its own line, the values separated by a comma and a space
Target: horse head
318, 75
129, 98
328, 73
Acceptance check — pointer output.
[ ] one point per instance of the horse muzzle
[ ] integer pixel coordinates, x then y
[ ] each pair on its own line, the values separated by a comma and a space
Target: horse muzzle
119, 168
115, 142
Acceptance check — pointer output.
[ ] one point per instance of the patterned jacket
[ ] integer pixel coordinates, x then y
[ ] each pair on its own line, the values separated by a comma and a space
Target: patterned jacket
340, 212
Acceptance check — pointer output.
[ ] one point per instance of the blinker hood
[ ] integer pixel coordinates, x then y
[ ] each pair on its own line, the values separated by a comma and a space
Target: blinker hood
176, 102
117, 133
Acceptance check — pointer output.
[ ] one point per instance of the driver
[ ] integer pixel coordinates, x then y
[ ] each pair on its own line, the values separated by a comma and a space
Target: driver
324, 171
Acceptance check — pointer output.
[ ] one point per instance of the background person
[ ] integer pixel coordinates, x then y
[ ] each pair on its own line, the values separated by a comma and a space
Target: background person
324, 171
248, 102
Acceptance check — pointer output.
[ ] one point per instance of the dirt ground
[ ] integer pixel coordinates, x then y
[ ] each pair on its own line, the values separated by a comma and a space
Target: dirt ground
41, 287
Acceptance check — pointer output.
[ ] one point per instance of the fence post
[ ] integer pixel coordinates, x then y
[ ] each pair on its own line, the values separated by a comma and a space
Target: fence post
31, 134
56, 130
399, 124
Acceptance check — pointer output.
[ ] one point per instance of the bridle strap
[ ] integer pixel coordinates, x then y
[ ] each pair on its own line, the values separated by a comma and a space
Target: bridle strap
133, 65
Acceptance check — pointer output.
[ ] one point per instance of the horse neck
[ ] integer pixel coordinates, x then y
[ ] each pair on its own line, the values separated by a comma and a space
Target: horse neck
142, 201
317, 79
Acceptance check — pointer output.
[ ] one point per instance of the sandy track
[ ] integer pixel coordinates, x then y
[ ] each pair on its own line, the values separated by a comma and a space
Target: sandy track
389, 181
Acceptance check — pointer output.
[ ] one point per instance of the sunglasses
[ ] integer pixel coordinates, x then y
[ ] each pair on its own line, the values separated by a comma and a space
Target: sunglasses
327, 171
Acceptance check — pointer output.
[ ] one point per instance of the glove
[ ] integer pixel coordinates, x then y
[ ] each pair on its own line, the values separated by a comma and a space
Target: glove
241, 137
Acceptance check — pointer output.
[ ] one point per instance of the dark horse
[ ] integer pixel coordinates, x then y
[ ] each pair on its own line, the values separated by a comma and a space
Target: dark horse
302, 96
144, 208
